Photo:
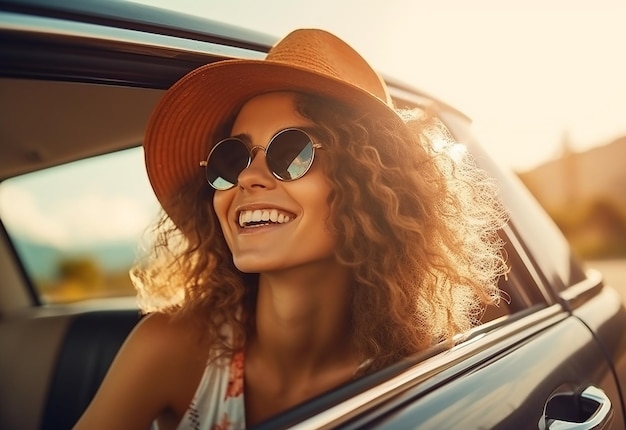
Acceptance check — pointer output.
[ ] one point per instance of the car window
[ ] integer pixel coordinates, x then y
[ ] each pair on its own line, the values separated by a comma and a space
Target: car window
522, 288
76, 227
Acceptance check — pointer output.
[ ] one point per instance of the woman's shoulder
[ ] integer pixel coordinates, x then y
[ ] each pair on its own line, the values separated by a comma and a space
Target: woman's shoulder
175, 351
163, 324
169, 337
165, 352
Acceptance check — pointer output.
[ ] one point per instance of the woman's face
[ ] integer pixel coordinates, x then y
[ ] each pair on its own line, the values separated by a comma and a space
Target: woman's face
301, 238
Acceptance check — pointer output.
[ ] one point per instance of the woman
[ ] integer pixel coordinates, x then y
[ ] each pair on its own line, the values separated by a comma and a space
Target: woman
336, 236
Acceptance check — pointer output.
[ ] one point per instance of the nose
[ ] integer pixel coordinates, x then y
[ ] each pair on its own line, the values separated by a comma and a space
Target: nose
257, 174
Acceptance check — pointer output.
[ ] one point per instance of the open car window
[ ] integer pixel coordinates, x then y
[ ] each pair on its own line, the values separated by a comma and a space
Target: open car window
76, 227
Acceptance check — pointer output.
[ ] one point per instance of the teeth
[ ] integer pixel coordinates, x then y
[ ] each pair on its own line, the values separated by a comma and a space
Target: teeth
264, 215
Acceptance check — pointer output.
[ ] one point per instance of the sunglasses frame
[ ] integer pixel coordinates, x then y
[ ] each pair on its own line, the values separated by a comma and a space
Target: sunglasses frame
253, 149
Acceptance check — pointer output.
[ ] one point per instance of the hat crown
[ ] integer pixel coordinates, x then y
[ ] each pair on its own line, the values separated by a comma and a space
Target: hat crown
321, 52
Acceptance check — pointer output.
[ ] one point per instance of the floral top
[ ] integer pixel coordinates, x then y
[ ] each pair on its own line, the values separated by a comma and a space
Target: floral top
218, 403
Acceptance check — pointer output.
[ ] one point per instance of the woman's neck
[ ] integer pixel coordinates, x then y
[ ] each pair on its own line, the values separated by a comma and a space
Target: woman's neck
303, 316
302, 345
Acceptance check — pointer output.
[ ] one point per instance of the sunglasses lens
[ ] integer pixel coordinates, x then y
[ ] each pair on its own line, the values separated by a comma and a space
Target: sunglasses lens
290, 154
226, 161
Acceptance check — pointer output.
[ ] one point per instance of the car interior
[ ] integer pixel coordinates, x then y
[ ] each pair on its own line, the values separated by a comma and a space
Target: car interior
55, 353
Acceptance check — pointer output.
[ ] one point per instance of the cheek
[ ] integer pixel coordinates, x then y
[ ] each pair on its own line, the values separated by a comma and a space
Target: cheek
221, 203
314, 196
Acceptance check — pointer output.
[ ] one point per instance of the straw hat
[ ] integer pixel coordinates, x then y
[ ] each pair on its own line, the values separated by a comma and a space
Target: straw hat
308, 60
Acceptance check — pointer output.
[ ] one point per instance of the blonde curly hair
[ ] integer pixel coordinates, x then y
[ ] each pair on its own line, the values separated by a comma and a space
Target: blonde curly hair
415, 220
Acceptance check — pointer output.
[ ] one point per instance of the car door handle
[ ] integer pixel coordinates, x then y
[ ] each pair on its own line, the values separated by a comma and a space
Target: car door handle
589, 409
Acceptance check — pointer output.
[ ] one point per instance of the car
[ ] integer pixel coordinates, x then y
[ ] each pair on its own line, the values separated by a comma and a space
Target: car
78, 82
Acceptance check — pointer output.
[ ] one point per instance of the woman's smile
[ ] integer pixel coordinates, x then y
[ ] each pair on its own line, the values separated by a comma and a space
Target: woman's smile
263, 217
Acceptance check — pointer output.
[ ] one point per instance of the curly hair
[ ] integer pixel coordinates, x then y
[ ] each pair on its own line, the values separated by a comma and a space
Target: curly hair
415, 220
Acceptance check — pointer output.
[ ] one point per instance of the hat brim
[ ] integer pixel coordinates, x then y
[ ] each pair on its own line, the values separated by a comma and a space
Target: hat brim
178, 133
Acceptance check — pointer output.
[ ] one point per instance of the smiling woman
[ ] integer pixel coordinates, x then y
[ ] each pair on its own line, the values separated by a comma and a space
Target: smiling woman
285, 265
336, 235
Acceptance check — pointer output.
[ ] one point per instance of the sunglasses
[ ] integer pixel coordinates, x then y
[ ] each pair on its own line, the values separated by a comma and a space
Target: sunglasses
289, 155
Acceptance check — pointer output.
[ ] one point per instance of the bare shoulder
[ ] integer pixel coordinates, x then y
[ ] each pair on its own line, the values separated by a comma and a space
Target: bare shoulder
173, 349
163, 333
160, 340
155, 373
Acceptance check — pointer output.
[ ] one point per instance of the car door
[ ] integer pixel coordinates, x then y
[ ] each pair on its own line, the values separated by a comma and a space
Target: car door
538, 370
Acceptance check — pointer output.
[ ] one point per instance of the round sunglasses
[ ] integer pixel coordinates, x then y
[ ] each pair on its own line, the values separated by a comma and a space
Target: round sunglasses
289, 155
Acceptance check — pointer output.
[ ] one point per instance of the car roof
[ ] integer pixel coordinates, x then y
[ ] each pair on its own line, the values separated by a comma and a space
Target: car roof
137, 16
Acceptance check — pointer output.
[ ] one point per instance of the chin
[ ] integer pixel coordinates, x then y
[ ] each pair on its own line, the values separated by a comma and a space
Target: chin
245, 265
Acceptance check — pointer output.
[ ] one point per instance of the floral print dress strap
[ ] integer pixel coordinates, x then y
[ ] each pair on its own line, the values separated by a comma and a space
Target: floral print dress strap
218, 403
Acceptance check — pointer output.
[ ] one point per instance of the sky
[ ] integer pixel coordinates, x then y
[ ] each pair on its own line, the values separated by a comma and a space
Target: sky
82, 203
528, 73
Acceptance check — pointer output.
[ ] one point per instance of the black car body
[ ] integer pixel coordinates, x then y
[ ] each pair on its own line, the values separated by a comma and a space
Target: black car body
556, 354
